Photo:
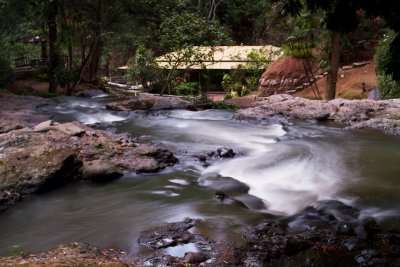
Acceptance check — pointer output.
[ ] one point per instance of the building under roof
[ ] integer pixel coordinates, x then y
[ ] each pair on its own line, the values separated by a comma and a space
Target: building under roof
216, 57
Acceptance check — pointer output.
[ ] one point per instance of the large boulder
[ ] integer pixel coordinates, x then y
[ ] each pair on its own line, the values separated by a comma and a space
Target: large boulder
382, 115
90, 93
29, 163
18, 112
100, 171
51, 155
150, 102
286, 75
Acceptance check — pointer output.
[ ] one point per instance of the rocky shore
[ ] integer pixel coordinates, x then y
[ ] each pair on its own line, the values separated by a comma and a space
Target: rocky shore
383, 115
329, 233
35, 158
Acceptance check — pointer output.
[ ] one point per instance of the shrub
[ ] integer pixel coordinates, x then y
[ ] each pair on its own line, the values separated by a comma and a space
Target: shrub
351, 95
187, 89
223, 105
143, 69
388, 87
383, 57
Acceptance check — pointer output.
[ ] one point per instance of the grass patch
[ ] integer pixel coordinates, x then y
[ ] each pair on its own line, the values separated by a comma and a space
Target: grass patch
16, 251
351, 95
47, 94
224, 105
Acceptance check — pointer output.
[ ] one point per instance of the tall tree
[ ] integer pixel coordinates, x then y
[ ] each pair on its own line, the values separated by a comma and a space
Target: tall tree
340, 18
54, 58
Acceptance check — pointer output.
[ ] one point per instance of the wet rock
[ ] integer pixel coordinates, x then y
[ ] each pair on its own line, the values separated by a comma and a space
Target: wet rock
90, 93
225, 184
337, 209
207, 159
293, 247
251, 202
100, 171
169, 234
67, 128
275, 243
234, 202
150, 102
202, 157
51, 155
367, 228
382, 115
34, 167
370, 257
151, 158
354, 243
195, 257
18, 112
224, 152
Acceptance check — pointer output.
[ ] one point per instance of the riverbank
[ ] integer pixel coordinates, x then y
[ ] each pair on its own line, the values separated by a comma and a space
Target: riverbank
383, 115
38, 157
322, 235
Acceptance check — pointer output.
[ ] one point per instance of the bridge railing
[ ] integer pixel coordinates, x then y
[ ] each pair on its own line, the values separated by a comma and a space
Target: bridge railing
35, 63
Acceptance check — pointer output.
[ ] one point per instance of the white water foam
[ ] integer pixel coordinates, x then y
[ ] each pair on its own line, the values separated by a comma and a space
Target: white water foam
99, 117
286, 177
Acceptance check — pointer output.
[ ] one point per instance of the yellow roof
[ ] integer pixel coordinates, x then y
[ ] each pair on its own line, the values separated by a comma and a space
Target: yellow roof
217, 57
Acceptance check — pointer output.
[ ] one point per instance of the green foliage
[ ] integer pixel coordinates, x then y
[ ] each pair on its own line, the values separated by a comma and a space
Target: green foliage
383, 57
190, 89
351, 95
144, 69
224, 105
297, 49
5, 71
388, 87
245, 79
64, 76
180, 62
187, 29
16, 251
46, 94
301, 42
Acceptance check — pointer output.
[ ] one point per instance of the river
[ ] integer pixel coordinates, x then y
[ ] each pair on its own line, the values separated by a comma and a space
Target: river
286, 168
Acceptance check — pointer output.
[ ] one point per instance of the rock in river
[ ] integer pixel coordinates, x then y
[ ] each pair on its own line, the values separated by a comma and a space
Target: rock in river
382, 115
51, 155
150, 102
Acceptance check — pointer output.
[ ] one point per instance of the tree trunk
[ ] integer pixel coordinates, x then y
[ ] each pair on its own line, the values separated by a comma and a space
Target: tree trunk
69, 89
334, 61
53, 51
92, 70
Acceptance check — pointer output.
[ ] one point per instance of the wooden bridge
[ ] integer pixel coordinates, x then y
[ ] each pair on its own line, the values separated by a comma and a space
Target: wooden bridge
30, 63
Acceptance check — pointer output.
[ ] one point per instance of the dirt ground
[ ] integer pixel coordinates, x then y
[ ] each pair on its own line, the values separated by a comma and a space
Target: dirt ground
349, 84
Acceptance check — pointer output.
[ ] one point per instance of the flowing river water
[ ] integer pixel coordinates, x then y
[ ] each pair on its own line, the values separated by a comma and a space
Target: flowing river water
288, 168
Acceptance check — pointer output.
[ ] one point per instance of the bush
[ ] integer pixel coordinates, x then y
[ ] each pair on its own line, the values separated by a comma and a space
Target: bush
5, 71
143, 69
223, 105
187, 89
298, 49
388, 87
351, 95
383, 57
